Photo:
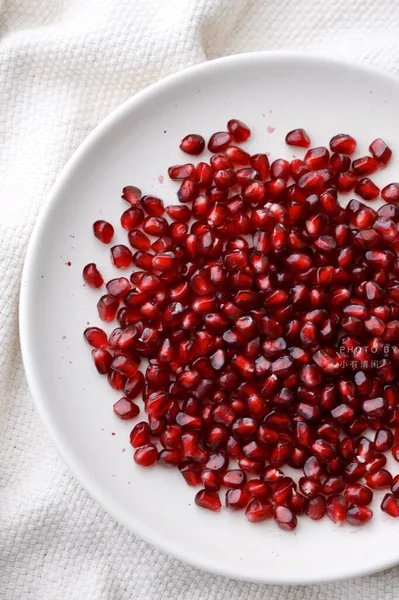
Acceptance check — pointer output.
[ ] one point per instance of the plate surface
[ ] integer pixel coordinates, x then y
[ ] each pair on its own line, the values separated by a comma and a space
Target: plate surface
272, 93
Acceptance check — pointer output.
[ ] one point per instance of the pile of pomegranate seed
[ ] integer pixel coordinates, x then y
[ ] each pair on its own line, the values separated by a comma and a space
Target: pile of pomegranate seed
269, 315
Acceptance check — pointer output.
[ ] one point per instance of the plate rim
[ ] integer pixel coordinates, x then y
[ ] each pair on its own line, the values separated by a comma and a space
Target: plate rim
95, 491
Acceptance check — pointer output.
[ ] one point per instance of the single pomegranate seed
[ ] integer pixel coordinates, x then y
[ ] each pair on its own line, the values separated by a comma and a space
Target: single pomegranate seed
121, 256
192, 144
208, 499
285, 518
358, 515
365, 165
380, 151
259, 510
390, 505
103, 231
96, 337
379, 480
367, 189
102, 360
126, 409
107, 307
298, 137
356, 493
346, 181
178, 172
260, 165
390, 193
92, 276
337, 508
239, 131
316, 508
343, 143
237, 499
219, 141
146, 456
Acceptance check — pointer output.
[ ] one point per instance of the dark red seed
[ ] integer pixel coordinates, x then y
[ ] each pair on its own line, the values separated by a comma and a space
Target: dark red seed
367, 189
298, 137
358, 515
390, 193
208, 499
343, 143
316, 508
126, 409
92, 276
192, 144
103, 231
219, 141
285, 518
259, 510
237, 499
239, 131
146, 456
380, 151
390, 505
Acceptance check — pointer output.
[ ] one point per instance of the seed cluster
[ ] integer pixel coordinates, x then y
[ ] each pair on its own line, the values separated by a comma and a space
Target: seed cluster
269, 315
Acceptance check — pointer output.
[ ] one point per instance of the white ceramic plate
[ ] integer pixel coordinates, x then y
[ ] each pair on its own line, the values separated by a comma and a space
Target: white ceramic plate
273, 93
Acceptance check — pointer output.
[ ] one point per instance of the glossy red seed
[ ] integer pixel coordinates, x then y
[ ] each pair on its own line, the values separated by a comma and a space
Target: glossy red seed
298, 137
124, 408
96, 337
367, 189
285, 518
316, 508
343, 143
219, 141
259, 510
132, 195
208, 499
103, 231
192, 144
146, 456
380, 151
358, 515
239, 131
337, 509
92, 276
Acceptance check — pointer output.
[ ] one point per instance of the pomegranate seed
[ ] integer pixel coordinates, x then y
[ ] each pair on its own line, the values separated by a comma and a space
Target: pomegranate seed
192, 144
96, 337
178, 172
260, 165
346, 181
316, 508
298, 137
239, 131
367, 189
259, 510
146, 456
126, 409
390, 193
390, 505
379, 480
337, 509
208, 499
92, 276
219, 141
380, 151
107, 307
102, 360
358, 515
285, 518
237, 499
103, 231
343, 143
132, 195
356, 493
365, 165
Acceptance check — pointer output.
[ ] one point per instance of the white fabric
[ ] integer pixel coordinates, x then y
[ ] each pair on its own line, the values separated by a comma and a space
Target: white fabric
64, 65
